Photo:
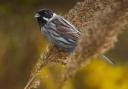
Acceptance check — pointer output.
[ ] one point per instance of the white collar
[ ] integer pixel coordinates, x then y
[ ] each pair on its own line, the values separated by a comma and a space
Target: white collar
48, 20
54, 15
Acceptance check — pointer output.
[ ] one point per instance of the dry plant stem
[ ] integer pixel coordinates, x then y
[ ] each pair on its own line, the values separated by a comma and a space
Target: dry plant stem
45, 59
50, 56
28, 86
102, 31
42, 62
100, 22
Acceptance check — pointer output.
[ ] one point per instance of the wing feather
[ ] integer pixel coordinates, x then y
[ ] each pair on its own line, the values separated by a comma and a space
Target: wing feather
61, 32
66, 29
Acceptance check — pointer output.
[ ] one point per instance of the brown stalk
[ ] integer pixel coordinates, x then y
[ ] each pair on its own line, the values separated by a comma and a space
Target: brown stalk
100, 22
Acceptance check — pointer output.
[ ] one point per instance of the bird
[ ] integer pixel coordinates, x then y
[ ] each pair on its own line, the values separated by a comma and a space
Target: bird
59, 31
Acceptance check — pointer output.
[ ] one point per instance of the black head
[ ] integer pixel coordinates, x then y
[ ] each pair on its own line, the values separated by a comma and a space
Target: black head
43, 16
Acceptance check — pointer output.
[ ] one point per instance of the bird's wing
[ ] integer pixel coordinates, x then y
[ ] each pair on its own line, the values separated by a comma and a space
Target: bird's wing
66, 29
62, 33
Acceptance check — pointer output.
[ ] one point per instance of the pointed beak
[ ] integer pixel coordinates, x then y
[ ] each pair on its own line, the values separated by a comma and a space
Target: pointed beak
36, 15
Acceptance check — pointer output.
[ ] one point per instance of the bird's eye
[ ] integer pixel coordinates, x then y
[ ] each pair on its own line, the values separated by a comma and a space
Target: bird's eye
46, 13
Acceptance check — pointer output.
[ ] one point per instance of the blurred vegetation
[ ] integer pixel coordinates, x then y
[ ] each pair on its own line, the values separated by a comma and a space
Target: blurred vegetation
21, 44
97, 75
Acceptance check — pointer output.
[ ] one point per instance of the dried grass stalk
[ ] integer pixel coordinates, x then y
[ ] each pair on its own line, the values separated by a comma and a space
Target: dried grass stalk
100, 22
99, 34
102, 29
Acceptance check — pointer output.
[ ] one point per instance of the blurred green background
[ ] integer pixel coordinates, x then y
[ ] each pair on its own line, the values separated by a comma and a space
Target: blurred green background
21, 41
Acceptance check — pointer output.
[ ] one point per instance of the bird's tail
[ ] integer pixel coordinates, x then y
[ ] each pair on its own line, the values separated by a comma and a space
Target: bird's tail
107, 59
